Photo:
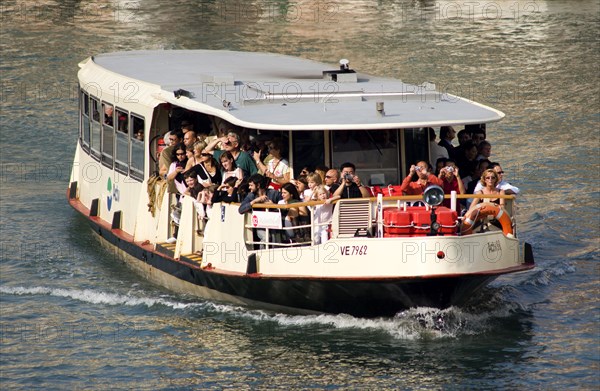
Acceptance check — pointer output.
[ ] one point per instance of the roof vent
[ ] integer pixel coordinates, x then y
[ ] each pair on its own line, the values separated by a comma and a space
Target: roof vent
343, 75
180, 92
344, 64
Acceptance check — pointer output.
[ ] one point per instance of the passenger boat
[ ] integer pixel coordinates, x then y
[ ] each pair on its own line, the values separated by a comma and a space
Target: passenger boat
384, 253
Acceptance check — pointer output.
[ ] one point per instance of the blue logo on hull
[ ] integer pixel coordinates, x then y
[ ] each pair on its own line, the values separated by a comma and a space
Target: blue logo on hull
109, 196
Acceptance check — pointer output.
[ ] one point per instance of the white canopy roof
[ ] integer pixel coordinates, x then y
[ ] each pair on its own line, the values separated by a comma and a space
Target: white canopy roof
277, 92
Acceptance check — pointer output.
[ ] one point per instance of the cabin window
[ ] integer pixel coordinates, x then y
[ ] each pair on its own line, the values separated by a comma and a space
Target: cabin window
122, 141
416, 146
137, 147
373, 152
95, 128
85, 120
108, 134
308, 150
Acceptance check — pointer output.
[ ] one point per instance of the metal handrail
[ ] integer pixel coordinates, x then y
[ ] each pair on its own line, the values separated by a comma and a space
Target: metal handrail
372, 201
391, 198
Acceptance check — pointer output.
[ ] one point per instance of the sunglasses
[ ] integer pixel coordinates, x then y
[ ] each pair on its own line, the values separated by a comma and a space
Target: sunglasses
328, 176
500, 172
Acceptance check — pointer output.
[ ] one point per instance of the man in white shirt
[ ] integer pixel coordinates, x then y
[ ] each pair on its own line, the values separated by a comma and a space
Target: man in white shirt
502, 185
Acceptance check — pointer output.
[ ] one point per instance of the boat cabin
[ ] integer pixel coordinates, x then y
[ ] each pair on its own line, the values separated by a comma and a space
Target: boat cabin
325, 116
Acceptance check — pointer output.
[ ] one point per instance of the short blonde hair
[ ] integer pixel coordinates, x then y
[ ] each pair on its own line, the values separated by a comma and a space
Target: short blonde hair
315, 177
321, 174
489, 171
199, 145
320, 189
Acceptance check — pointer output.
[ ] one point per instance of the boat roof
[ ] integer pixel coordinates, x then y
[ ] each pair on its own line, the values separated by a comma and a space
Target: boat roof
277, 92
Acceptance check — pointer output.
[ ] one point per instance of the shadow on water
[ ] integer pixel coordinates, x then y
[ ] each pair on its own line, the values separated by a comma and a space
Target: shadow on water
425, 347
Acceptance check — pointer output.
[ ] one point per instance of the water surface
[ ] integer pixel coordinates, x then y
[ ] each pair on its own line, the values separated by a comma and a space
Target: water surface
72, 316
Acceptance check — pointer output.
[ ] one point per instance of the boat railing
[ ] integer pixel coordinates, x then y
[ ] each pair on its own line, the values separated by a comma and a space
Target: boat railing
288, 236
359, 217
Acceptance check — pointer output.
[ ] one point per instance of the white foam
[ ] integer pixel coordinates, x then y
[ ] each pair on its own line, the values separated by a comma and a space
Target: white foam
412, 324
94, 297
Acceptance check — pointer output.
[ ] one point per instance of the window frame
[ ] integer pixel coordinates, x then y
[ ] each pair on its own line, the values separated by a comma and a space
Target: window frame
108, 131
370, 162
415, 147
120, 165
134, 172
95, 124
84, 119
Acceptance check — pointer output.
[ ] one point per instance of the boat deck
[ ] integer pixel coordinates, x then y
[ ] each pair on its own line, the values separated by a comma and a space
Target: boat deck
168, 249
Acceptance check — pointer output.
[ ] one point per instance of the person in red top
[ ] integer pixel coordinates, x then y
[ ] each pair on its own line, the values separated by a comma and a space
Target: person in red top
451, 181
425, 179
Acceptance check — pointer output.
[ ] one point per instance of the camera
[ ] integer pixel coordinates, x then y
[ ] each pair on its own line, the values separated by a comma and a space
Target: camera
417, 168
254, 147
450, 169
348, 177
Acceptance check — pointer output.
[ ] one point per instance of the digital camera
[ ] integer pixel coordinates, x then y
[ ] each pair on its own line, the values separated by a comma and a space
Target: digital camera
254, 147
348, 177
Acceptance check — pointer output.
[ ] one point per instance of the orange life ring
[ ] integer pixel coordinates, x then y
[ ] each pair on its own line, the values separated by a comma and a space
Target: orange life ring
486, 209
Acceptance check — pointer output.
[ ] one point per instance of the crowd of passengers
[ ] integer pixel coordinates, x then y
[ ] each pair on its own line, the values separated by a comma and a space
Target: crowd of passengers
223, 168
465, 168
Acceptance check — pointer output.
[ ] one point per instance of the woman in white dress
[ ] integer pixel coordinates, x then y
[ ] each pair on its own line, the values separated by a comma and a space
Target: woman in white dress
314, 180
322, 215
277, 168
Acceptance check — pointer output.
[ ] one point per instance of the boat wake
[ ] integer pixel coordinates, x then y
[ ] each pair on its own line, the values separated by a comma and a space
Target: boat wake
412, 324
95, 297
421, 323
